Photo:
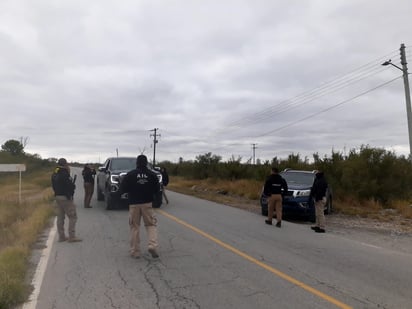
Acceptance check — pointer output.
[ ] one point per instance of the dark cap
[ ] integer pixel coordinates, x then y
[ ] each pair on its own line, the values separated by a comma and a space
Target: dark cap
141, 161
62, 162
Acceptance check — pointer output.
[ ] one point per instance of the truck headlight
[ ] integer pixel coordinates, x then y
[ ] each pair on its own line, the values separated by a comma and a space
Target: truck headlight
303, 193
114, 178
160, 177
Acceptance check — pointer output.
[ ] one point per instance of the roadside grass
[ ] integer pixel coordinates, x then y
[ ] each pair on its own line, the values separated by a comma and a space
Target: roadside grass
404, 208
242, 193
248, 189
20, 225
224, 191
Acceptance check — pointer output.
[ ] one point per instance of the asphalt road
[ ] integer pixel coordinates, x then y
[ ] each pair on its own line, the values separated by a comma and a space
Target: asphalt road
214, 256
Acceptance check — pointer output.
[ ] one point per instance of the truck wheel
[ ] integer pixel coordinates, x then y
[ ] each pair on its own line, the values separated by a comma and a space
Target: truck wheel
109, 203
100, 196
312, 217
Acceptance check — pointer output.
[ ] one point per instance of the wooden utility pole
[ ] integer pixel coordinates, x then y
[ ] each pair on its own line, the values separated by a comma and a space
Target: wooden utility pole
155, 141
254, 148
405, 74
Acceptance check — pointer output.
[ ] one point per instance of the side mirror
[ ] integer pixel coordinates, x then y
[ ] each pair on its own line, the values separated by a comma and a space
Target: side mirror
102, 169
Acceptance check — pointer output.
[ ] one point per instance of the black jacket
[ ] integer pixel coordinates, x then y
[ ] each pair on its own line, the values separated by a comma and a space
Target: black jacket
274, 185
62, 183
319, 187
140, 184
88, 175
165, 178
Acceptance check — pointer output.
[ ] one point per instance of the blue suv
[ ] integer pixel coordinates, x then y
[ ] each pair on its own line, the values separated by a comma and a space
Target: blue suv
297, 201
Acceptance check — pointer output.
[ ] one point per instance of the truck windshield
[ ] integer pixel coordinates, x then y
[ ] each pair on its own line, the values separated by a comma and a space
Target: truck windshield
124, 164
298, 178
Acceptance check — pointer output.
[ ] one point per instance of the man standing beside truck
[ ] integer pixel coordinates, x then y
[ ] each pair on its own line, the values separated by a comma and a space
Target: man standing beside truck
318, 193
275, 185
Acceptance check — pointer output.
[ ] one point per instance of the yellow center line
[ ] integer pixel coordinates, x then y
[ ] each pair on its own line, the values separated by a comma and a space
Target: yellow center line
259, 263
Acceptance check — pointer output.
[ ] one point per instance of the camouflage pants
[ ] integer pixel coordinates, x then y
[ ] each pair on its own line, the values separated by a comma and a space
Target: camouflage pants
136, 213
65, 208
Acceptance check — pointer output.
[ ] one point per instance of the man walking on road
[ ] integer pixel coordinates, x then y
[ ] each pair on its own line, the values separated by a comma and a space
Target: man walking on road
141, 184
63, 187
273, 189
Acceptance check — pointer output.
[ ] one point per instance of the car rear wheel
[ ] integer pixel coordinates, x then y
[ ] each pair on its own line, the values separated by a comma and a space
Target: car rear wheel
110, 204
312, 217
264, 212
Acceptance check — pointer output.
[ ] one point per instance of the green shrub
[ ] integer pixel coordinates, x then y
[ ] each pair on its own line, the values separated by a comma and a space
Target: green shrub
364, 174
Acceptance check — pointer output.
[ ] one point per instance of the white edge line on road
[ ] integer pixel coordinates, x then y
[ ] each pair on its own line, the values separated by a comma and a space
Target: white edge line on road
40, 270
371, 246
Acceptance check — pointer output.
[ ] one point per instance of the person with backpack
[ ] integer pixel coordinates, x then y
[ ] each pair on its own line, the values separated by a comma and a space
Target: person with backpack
64, 187
141, 184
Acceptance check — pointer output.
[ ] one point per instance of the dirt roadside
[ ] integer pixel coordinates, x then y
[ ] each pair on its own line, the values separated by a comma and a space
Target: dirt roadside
394, 233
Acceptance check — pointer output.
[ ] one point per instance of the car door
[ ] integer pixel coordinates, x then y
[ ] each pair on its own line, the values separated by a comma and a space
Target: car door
102, 175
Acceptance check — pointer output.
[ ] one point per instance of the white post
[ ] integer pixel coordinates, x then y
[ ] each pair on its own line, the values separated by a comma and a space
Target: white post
19, 186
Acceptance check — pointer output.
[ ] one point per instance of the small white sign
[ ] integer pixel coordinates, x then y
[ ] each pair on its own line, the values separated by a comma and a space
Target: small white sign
12, 168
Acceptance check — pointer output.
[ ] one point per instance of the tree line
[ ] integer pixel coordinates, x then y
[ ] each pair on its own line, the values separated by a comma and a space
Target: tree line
363, 174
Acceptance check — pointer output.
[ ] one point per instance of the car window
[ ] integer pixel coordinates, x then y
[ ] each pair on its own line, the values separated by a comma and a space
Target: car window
123, 164
298, 178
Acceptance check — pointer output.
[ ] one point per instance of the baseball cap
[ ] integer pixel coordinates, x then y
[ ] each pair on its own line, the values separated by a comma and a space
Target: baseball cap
62, 162
141, 161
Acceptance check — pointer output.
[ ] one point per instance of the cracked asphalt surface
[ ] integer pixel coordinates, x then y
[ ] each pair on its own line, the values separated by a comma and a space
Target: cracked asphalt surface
195, 271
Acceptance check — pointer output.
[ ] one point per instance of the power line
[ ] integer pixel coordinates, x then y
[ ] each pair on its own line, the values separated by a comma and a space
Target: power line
328, 109
313, 114
338, 83
355, 76
293, 105
288, 105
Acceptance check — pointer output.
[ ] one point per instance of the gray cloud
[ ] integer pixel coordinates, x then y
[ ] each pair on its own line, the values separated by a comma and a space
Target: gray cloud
84, 79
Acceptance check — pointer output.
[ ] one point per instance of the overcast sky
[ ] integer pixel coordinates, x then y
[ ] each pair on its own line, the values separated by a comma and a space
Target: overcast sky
89, 79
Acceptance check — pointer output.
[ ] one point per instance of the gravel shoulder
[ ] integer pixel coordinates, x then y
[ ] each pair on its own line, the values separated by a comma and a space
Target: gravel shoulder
393, 232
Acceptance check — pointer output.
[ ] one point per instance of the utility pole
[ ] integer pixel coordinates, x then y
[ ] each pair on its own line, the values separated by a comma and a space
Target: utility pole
155, 141
404, 70
407, 96
254, 148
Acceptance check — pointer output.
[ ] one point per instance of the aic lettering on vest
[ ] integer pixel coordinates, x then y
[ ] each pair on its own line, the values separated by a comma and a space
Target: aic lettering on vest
142, 178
